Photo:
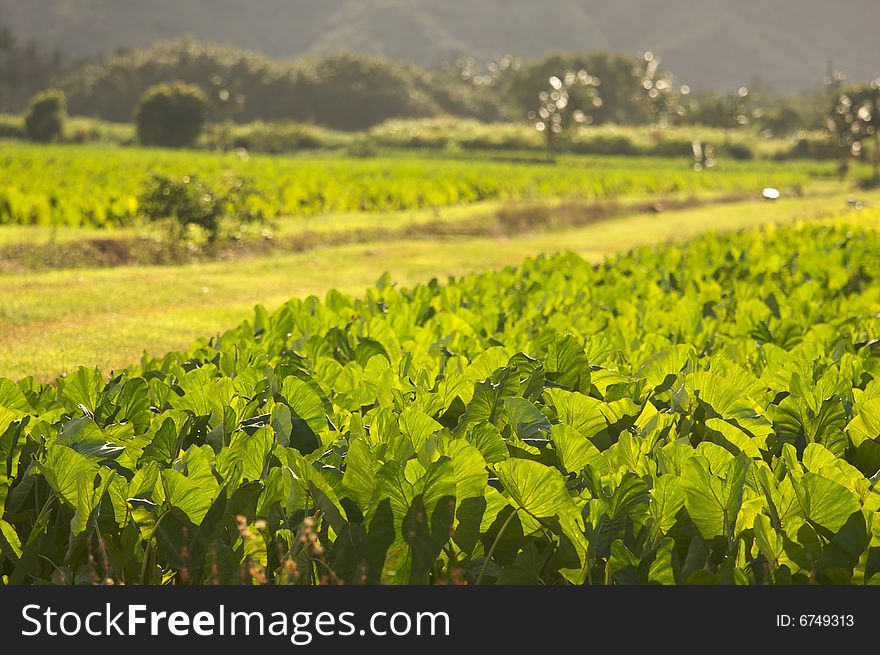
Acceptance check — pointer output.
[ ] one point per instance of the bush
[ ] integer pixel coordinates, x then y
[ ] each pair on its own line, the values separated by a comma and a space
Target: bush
45, 116
11, 127
813, 148
674, 147
189, 201
274, 137
737, 151
605, 145
171, 115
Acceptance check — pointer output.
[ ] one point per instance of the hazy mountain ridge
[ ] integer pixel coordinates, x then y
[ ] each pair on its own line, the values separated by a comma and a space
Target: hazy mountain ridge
708, 43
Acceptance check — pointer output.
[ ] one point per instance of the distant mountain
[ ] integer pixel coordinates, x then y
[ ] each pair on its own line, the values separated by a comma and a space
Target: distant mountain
708, 43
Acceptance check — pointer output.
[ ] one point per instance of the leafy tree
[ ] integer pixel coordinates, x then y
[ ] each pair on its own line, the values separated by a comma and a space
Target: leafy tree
189, 201
342, 91
171, 115
854, 120
569, 100
621, 88
355, 92
45, 117
25, 69
663, 100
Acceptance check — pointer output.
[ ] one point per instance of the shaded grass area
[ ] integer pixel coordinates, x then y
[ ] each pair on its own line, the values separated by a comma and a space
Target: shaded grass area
52, 322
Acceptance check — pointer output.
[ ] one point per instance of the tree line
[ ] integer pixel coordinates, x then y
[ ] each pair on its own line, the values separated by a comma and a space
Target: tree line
354, 92
186, 84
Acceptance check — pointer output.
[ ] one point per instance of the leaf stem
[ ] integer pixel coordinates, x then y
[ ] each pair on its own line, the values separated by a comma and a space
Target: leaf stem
494, 544
148, 552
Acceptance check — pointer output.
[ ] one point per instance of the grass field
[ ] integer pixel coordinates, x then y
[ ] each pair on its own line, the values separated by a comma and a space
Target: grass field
52, 322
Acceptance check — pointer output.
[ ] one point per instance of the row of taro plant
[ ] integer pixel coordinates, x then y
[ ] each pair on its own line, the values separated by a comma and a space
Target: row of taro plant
700, 413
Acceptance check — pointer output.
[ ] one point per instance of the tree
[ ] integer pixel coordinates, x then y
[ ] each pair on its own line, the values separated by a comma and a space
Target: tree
662, 98
25, 69
190, 201
854, 120
621, 85
569, 99
171, 115
45, 117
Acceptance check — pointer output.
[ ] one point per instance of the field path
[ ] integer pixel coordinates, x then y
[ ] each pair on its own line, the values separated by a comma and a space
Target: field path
52, 322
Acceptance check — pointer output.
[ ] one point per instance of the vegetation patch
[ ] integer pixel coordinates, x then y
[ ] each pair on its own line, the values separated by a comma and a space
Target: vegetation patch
702, 413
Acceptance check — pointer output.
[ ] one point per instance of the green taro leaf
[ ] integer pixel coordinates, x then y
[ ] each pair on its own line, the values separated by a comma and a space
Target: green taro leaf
582, 413
667, 499
825, 502
65, 469
535, 488
360, 472
488, 440
527, 421
573, 449
186, 495
309, 417
81, 390
11, 397
10, 544
567, 365
712, 503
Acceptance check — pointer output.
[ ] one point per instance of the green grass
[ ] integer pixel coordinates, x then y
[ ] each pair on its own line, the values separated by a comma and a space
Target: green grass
53, 322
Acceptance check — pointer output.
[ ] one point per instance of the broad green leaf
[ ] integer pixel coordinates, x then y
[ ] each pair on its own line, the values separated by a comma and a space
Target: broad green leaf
662, 570
567, 365
10, 543
825, 502
418, 426
64, 469
713, 504
82, 389
573, 449
247, 453
11, 397
527, 421
733, 439
580, 412
667, 499
309, 417
186, 495
360, 472
204, 394
537, 489
488, 440
88, 498
163, 445
468, 465
667, 362
769, 541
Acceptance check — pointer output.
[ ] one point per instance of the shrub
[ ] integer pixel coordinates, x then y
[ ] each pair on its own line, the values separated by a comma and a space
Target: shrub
605, 145
11, 127
171, 115
189, 201
813, 148
45, 116
738, 151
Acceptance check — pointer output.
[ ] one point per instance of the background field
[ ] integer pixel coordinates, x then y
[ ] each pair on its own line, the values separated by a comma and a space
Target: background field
96, 186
